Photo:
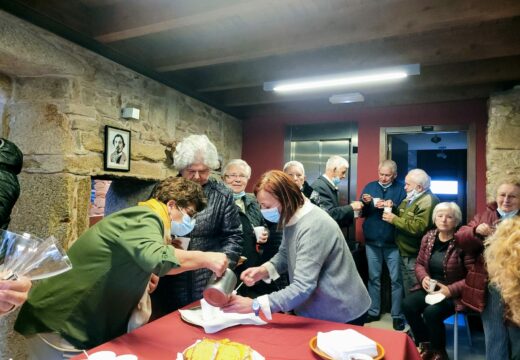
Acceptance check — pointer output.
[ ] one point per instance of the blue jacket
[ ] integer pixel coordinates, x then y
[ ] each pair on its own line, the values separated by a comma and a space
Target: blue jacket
378, 232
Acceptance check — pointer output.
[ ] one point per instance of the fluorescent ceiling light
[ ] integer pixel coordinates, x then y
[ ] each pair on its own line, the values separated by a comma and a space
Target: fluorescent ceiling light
344, 80
346, 98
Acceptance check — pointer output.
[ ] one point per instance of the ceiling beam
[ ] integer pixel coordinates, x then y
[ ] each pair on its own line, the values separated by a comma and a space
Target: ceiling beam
502, 70
489, 40
345, 25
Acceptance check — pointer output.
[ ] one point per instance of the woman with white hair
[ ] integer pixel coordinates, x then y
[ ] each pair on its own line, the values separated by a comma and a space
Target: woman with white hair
236, 174
217, 227
441, 269
296, 171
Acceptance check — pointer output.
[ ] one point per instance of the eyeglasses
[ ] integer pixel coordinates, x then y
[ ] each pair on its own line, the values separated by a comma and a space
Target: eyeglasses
199, 172
188, 211
235, 176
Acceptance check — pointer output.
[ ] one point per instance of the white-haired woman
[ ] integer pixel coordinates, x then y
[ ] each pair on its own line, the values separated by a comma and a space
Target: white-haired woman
236, 174
217, 227
296, 171
440, 260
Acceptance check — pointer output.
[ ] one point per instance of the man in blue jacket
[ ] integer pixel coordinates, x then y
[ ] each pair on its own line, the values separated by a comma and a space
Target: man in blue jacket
380, 242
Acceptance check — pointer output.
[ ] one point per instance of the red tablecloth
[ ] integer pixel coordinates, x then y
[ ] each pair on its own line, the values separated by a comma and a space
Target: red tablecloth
286, 337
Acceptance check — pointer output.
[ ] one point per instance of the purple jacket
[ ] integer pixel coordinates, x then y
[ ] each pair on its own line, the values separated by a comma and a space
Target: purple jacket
456, 264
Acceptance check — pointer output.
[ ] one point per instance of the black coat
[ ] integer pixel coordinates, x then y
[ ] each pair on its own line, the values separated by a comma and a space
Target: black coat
328, 200
11, 160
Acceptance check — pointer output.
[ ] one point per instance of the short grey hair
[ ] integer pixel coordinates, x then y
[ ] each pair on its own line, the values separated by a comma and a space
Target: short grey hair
451, 206
295, 163
238, 163
336, 161
389, 164
420, 177
195, 149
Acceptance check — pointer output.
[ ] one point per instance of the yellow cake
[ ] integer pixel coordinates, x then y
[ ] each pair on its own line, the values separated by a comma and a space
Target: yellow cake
224, 349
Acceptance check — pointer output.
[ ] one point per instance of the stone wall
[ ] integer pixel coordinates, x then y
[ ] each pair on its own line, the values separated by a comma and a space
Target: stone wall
55, 100
503, 145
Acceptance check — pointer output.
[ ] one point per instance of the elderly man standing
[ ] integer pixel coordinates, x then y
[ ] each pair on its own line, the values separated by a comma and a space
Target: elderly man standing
412, 221
217, 228
327, 188
380, 241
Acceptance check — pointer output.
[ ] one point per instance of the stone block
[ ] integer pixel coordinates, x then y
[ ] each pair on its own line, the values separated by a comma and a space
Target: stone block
84, 123
146, 170
90, 164
151, 152
504, 132
92, 141
108, 103
42, 88
79, 110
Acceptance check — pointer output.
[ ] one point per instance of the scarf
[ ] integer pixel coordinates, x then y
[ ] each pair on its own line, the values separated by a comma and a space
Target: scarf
162, 211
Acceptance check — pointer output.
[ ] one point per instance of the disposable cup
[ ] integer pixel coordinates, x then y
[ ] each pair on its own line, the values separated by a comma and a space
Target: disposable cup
388, 209
375, 200
432, 285
356, 213
259, 231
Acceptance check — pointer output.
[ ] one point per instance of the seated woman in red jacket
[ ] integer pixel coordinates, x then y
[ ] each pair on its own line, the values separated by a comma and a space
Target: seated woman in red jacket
439, 259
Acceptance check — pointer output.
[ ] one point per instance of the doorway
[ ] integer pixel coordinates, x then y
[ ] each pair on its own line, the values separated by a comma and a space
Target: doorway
446, 153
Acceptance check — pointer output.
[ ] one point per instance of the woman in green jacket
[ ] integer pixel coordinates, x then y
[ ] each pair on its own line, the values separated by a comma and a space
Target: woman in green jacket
112, 264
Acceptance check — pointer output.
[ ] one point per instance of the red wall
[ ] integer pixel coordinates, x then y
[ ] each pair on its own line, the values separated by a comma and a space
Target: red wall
263, 138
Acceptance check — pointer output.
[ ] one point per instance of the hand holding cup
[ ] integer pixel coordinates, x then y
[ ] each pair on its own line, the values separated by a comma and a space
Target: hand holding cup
261, 234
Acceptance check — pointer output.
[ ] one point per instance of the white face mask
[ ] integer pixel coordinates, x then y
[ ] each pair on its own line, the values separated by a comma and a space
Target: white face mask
272, 214
507, 214
411, 194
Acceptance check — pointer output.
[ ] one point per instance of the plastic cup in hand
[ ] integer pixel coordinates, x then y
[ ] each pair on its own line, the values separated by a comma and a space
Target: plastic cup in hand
376, 200
431, 286
50, 260
259, 232
184, 242
356, 213
388, 209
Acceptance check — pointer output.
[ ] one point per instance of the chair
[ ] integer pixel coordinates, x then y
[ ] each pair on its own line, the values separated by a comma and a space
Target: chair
454, 320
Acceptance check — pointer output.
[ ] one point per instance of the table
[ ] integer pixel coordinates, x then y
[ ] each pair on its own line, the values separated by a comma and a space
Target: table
286, 337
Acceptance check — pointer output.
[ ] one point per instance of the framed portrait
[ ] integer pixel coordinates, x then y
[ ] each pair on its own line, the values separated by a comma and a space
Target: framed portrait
117, 149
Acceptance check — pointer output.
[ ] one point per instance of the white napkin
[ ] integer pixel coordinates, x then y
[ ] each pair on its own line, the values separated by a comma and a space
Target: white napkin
212, 319
434, 298
341, 344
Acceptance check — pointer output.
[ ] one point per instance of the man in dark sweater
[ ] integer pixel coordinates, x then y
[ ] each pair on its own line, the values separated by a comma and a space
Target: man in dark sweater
380, 241
328, 196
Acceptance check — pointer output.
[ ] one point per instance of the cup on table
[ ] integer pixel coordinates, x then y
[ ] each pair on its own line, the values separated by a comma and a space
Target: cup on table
184, 242
388, 209
376, 200
259, 232
432, 285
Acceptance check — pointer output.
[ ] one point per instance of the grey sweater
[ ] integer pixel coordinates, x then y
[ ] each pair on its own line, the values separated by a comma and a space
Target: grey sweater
324, 282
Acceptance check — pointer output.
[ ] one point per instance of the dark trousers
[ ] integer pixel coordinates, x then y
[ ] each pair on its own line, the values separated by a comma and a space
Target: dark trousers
427, 321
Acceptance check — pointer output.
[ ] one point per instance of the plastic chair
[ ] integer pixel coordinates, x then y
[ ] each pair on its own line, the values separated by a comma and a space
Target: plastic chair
454, 320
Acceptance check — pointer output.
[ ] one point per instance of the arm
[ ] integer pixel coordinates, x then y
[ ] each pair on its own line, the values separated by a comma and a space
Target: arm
467, 239
13, 293
421, 271
456, 287
191, 260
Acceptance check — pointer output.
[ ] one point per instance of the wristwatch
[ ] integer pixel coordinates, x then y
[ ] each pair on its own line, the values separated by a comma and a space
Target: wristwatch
256, 306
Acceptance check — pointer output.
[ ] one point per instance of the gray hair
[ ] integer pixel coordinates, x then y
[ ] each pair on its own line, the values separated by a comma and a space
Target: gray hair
389, 164
420, 177
451, 206
193, 150
335, 162
295, 163
240, 164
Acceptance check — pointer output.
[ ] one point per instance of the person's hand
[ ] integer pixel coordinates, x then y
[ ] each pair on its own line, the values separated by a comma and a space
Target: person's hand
216, 262
253, 274
153, 283
380, 204
425, 283
444, 290
484, 229
388, 217
238, 304
262, 239
176, 243
356, 205
13, 293
366, 198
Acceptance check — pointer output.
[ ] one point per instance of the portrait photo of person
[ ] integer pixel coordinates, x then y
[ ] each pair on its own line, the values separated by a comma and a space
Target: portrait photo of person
117, 149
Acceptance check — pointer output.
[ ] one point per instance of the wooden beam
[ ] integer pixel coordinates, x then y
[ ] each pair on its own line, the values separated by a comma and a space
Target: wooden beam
503, 70
334, 26
488, 40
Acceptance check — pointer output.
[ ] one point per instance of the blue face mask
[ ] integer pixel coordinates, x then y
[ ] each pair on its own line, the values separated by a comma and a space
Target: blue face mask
507, 214
239, 195
272, 214
336, 180
184, 227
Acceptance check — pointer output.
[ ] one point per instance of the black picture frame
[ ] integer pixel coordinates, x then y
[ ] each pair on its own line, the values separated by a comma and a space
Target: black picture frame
116, 160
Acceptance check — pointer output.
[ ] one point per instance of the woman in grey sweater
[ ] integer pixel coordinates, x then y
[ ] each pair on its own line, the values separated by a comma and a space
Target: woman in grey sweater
323, 280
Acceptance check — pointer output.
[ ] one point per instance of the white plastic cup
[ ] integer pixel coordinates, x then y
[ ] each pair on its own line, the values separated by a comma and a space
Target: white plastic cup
375, 200
259, 231
185, 241
356, 214
432, 285
388, 209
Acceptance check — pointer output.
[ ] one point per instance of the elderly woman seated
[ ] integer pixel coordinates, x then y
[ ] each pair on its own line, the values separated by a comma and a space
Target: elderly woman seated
441, 268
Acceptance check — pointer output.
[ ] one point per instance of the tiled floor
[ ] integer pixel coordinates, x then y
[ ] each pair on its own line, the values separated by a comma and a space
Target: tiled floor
475, 351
